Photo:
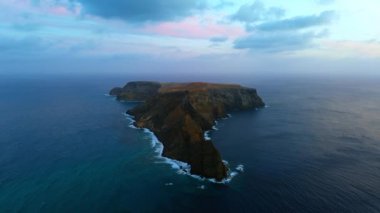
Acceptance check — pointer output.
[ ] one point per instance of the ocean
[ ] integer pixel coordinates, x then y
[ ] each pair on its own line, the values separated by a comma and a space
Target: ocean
65, 146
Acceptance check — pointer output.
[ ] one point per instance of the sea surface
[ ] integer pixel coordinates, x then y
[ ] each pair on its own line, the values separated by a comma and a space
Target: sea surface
67, 147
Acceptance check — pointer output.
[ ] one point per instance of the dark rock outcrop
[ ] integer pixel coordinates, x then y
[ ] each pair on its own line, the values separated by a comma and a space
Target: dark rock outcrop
179, 115
136, 90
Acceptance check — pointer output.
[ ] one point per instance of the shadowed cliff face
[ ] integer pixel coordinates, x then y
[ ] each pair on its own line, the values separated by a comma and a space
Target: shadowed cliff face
179, 114
136, 91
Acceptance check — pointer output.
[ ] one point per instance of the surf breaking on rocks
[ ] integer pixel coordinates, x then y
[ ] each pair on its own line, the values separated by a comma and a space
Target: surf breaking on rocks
180, 167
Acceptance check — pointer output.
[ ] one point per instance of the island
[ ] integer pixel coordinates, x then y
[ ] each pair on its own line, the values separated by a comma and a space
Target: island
180, 115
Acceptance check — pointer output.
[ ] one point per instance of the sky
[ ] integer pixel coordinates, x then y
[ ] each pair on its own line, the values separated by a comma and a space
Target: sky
190, 36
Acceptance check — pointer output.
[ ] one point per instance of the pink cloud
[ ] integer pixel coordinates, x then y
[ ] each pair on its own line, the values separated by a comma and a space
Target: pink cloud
194, 27
59, 10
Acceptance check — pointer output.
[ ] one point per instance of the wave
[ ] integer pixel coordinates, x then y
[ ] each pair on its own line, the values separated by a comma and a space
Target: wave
182, 168
240, 168
206, 135
201, 187
227, 117
131, 120
214, 127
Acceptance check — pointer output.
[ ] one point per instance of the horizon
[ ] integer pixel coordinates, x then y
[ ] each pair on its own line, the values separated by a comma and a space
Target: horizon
189, 106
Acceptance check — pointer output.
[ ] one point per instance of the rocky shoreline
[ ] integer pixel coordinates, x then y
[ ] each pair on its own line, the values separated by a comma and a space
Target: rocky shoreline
179, 115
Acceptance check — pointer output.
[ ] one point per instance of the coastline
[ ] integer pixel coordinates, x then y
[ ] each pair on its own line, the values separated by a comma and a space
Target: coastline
183, 168
182, 115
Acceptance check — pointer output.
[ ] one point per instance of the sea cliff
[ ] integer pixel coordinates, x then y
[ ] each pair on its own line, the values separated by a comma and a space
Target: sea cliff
179, 114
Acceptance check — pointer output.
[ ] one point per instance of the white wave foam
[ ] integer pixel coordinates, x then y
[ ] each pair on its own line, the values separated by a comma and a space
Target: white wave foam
181, 167
131, 121
207, 135
227, 117
226, 163
215, 124
201, 187
240, 168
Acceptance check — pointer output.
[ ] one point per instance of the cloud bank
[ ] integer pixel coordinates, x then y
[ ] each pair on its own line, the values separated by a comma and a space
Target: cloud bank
270, 32
299, 22
276, 42
142, 10
257, 12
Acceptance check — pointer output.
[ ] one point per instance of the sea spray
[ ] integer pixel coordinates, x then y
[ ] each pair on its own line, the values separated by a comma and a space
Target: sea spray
182, 168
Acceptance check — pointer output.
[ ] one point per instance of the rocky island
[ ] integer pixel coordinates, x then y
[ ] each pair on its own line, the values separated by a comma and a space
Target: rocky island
179, 114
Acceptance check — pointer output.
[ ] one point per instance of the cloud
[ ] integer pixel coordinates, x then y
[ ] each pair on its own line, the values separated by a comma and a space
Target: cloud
10, 45
276, 42
224, 4
219, 39
347, 48
31, 47
325, 1
142, 10
195, 27
299, 22
257, 12
26, 27
270, 32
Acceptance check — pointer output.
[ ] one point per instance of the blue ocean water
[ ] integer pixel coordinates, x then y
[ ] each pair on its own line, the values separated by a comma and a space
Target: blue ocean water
66, 147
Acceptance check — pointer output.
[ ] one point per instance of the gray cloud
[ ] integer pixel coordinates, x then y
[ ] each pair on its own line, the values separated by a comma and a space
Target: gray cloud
142, 10
299, 22
32, 47
270, 32
219, 39
276, 42
257, 12
10, 45
26, 26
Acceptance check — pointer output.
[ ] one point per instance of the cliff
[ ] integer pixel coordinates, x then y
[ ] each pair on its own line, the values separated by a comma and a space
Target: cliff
136, 91
179, 114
